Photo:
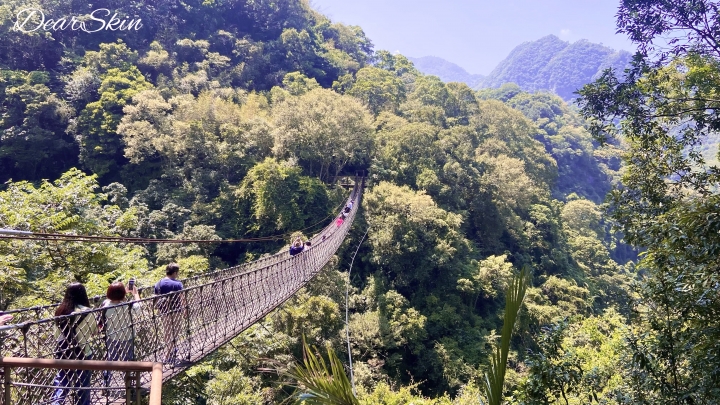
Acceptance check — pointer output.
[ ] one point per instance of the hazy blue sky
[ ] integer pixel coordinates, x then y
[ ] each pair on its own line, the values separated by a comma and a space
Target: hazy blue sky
475, 34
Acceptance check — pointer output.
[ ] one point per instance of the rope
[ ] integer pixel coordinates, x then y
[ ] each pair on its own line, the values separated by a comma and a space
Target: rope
347, 310
62, 237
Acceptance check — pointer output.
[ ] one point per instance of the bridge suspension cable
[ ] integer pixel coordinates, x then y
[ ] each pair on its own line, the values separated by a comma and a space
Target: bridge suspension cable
68, 237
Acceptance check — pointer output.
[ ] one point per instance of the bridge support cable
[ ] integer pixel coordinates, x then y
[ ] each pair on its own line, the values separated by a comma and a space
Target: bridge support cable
177, 329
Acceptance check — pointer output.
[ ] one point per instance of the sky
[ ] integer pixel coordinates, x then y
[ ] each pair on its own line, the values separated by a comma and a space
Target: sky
475, 34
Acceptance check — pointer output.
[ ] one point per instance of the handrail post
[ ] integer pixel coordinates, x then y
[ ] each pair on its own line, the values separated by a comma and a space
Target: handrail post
137, 388
188, 329
8, 385
132, 330
128, 395
156, 384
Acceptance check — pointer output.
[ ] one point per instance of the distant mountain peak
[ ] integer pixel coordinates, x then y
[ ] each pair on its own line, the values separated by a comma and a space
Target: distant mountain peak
445, 70
548, 63
555, 65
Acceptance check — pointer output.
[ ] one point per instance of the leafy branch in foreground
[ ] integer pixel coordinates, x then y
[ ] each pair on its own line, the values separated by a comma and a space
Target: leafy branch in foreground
318, 382
514, 296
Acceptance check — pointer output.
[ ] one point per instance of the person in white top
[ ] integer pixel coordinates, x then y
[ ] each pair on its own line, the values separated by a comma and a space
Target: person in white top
116, 322
73, 342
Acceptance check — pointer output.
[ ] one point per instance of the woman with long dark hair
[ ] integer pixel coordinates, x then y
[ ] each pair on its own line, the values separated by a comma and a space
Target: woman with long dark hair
73, 338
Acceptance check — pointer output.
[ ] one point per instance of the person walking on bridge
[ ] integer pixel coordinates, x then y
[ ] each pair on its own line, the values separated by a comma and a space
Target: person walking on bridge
296, 247
340, 219
171, 309
116, 322
73, 343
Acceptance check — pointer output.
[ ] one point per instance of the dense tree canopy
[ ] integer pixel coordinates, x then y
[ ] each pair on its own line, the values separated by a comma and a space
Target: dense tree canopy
231, 119
665, 109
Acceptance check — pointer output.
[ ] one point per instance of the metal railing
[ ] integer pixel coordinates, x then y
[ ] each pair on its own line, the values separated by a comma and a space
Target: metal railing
129, 393
176, 329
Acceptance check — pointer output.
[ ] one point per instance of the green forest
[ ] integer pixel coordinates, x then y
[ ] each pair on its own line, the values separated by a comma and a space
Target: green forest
227, 119
552, 64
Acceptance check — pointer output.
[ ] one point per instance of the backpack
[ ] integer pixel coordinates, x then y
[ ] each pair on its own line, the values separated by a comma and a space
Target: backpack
66, 345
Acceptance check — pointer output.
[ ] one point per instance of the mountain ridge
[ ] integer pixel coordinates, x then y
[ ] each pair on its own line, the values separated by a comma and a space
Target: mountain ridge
548, 64
447, 71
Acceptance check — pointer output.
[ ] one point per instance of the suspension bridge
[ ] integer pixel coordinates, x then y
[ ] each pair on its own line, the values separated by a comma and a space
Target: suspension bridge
178, 329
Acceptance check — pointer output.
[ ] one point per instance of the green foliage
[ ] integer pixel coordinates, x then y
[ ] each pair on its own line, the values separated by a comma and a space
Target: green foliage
576, 363
281, 198
407, 153
509, 133
398, 64
101, 149
495, 378
206, 140
323, 131
551, 64
400, 325
187, 48
665, 109
33, 121
319, 382
298, 84
69, 205
413, 240
234, 387
115, 55
379, 89
492, 276
217, 120
383, 394
582, 167
554, 372
316, 316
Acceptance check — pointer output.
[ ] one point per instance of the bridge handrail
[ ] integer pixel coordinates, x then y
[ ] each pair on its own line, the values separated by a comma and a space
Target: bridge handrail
155, 369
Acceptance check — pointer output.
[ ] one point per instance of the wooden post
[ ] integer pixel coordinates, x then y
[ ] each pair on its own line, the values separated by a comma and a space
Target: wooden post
128, 395
156, 384
137, 388
8, 385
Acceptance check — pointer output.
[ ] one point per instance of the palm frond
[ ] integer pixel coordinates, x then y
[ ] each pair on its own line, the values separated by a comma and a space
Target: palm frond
495, 377
319, 382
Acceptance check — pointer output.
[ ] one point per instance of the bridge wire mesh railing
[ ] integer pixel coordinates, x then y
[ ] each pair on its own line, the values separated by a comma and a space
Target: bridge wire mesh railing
177, 329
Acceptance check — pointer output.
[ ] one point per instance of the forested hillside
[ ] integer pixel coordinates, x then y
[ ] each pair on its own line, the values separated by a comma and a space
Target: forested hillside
551, 64
232, 119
